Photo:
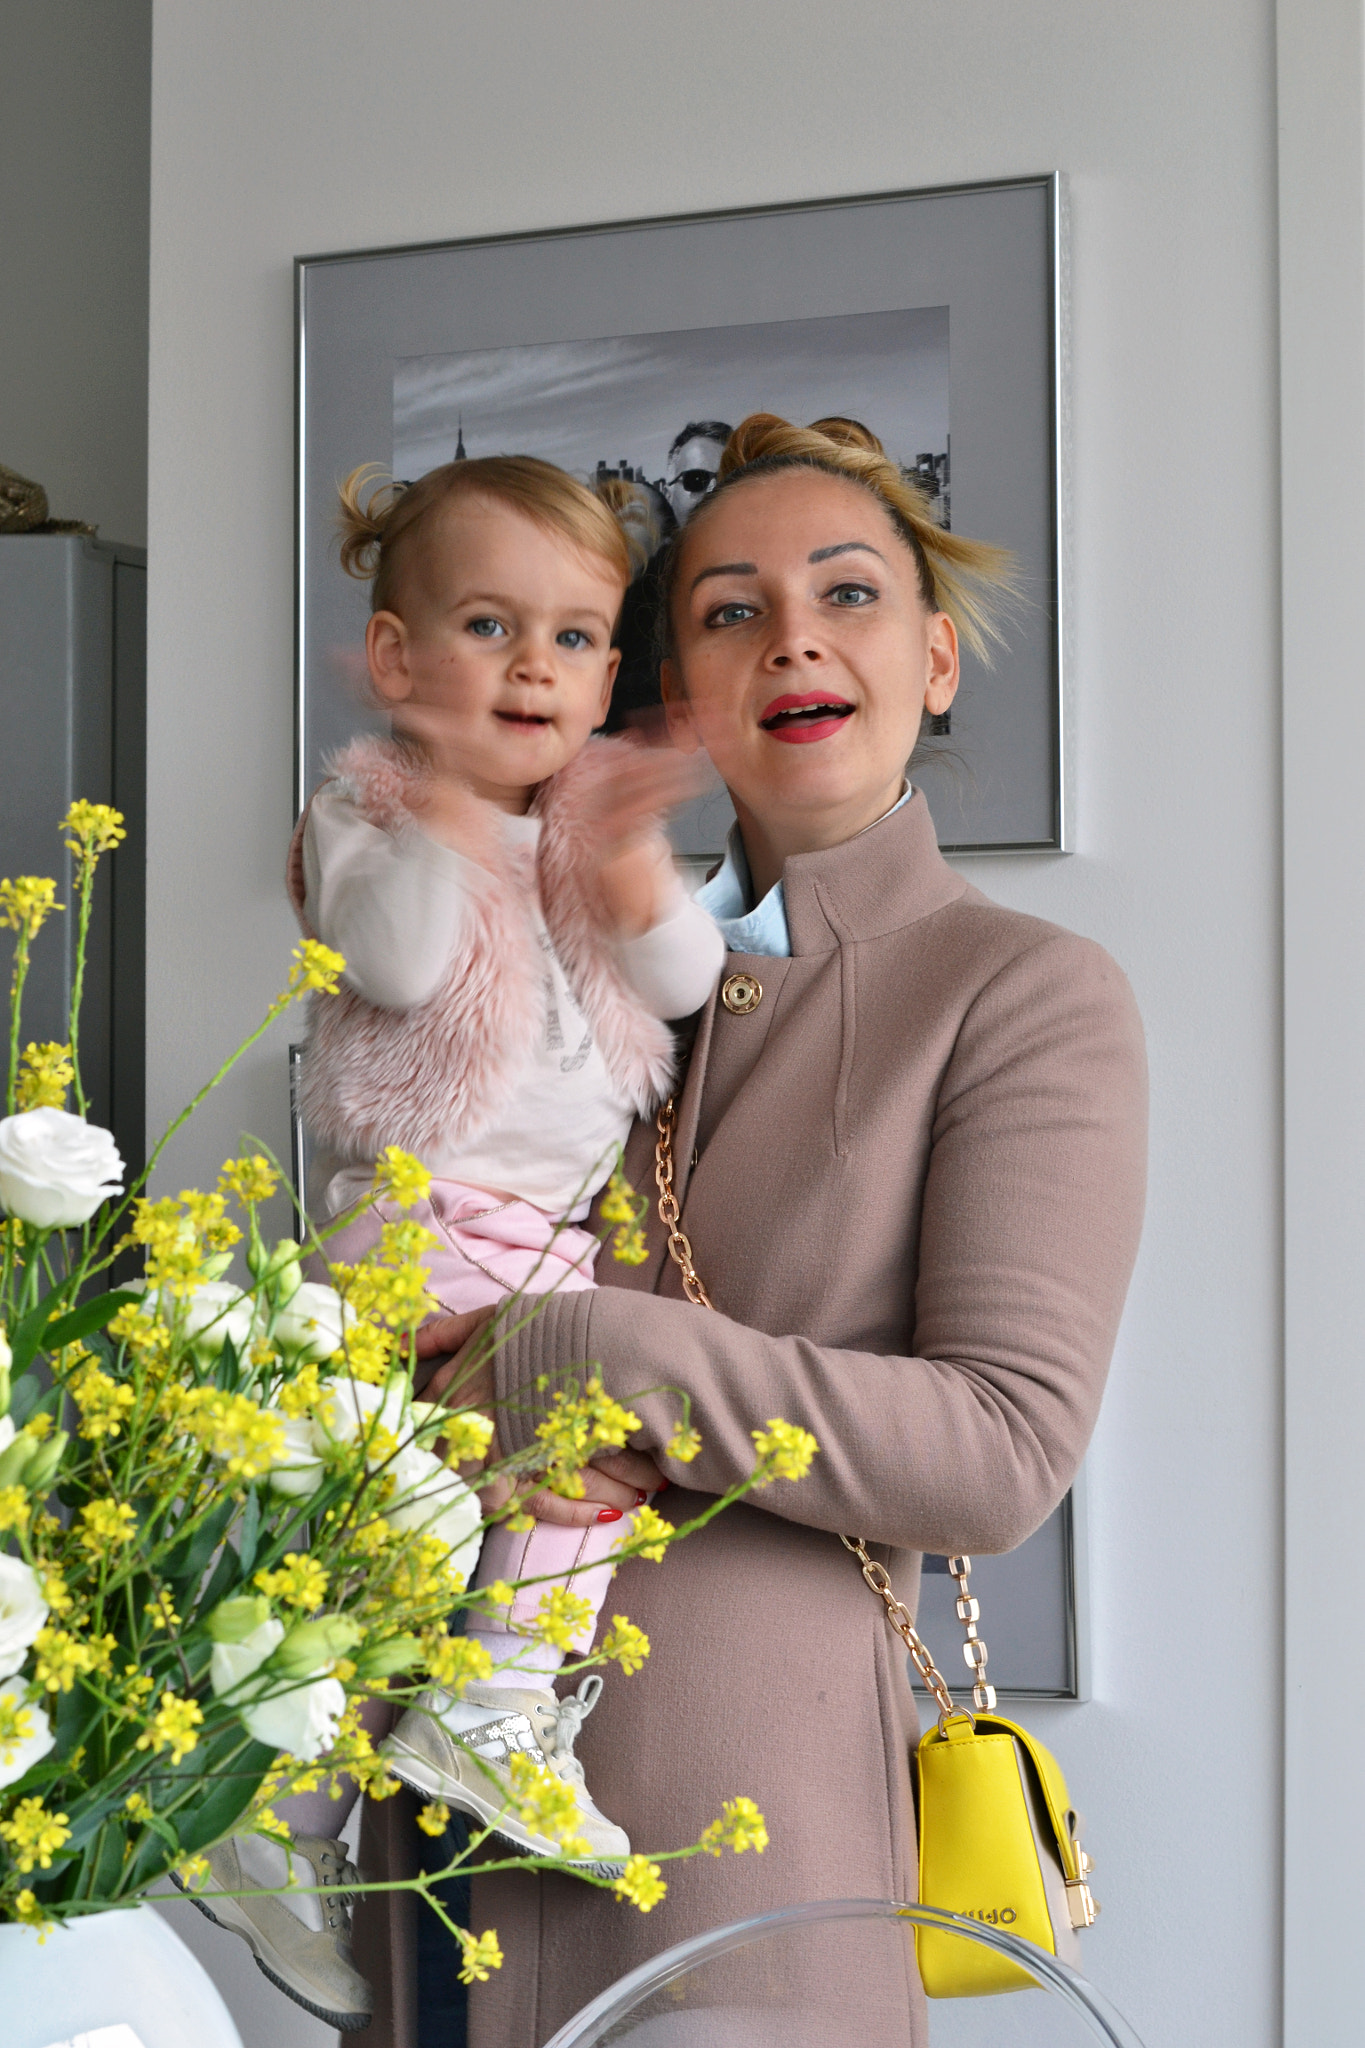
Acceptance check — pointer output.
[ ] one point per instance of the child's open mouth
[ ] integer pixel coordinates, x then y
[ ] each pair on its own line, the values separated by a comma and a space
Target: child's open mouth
801, 718
528, 720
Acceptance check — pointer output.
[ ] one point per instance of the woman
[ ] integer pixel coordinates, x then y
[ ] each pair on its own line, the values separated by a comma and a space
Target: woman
912, 1173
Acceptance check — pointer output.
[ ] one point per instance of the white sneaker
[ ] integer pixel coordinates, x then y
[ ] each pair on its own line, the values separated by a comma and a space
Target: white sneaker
461, 1751
311, 1965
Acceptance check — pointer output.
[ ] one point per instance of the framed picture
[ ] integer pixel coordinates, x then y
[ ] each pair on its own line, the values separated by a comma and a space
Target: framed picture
625, 353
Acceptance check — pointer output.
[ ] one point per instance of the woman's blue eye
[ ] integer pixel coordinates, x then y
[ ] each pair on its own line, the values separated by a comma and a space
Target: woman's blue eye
730, 614
575, 639
486, 629
852, 595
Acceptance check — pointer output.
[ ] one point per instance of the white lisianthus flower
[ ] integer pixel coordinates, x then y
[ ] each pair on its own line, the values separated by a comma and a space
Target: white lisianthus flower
23, 1611
207, 1316
56, 1169
348, 1406
6, 1434
231, 1664
311, 1324
429, 1497
303, 1720
21, 1752
300, 1472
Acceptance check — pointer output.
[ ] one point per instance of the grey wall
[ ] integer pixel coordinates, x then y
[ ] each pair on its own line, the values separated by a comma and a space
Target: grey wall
75, 143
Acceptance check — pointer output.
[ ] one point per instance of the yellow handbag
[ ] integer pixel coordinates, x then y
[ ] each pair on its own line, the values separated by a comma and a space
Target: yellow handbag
998, 1838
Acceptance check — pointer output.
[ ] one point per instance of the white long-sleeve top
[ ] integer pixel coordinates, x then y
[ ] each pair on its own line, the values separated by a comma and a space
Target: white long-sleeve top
396, 908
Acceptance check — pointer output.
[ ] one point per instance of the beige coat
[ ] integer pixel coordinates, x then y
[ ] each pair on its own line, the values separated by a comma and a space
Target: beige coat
913, 1179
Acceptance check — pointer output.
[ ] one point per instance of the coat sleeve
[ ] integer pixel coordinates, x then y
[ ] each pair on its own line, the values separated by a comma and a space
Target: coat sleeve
1028, 1231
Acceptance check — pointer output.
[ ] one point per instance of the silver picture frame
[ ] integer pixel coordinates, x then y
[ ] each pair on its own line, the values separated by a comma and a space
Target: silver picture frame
993, 255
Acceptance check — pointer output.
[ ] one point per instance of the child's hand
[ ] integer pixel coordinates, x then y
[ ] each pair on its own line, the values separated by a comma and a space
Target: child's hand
635, 875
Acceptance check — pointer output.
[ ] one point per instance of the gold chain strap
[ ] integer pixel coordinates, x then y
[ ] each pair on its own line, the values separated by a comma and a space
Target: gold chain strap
897, 1614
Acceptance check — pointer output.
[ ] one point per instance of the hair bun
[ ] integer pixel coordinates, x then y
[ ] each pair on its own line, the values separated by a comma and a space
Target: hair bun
847, 433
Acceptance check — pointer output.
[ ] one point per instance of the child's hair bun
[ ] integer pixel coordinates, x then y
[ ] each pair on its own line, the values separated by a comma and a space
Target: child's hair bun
361, 521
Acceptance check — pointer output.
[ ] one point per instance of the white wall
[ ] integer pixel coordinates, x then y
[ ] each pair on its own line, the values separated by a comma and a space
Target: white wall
308, 126
75, 102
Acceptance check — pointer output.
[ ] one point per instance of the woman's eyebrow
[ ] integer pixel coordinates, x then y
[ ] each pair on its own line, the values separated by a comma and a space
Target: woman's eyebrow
726, 569
846, 547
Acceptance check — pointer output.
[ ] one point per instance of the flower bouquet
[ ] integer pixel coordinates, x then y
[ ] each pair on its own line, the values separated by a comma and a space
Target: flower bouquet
225, 1522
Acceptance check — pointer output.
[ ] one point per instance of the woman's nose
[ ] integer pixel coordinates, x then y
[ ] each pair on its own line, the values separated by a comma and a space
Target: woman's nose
792, 644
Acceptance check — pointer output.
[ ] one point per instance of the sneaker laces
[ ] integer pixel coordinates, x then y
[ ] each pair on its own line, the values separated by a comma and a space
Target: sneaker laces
346, 1880
573, 1712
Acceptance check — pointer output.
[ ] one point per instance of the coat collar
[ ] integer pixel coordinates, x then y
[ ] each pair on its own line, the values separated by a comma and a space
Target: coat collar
879, 881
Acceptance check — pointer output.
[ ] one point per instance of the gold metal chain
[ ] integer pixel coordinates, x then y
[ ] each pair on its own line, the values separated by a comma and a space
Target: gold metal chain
968, 1610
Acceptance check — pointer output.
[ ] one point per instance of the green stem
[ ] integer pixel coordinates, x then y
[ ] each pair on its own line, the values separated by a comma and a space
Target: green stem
16, 1003
85, 885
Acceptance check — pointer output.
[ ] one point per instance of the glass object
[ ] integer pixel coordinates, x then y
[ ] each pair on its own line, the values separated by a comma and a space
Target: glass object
829, 1973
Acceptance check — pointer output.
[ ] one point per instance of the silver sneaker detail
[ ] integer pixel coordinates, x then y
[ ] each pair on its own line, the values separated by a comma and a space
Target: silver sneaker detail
314, 1969
470, 1769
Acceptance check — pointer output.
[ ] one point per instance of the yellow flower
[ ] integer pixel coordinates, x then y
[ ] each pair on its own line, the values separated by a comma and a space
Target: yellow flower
628, 1245
562, 1616
251, 1178
174, 1726
301, 1582
651, 1532
27, 1909
741, 1826
481, 1954
454, 1660
34, 1834
316, 967
434, 1817
54, 1586
467, 1436
625, 1644
26, 902
139, 1809
239, 1431
301, 1393
46, 1072
16, 1726
14, 1508
641, 1882
208, 1218
161, 1610
684, 1445
147, 1338
105, 1524
576, 1426
193, 1872
365, 1354
784, 1451
400, 1178
62, 1657
92, 829
102, 1402
546, 1803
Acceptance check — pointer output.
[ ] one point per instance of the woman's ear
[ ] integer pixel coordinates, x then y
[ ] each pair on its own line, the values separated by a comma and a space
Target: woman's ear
677, 710
386, 652
943, 665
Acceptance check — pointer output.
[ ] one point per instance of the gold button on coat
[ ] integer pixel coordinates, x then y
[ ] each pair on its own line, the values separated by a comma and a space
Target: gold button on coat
741, 994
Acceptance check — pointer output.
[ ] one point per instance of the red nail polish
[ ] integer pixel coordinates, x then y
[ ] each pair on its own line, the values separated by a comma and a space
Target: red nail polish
663, 1485
640, 1498
609, 1514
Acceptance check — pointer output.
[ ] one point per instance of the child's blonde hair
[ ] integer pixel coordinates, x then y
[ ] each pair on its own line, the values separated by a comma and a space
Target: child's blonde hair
380, 531
971, 580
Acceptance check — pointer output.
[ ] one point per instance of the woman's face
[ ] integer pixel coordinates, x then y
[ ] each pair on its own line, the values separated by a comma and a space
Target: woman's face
805, 654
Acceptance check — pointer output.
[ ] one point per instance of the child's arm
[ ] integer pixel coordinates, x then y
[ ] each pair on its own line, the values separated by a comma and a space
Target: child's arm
395, 908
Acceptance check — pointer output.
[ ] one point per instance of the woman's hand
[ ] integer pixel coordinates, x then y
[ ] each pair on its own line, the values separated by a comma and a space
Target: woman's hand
615, 1481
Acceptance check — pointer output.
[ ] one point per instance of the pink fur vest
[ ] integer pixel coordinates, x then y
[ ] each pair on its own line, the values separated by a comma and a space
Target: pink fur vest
415, 1078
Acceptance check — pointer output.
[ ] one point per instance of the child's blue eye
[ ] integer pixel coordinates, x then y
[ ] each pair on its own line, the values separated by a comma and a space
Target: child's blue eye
486, 629
575, 639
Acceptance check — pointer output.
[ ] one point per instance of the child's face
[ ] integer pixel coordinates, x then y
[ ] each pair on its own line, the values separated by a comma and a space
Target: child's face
503, 662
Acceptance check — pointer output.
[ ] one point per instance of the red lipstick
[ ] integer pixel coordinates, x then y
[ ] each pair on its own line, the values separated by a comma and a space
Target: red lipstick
800, 718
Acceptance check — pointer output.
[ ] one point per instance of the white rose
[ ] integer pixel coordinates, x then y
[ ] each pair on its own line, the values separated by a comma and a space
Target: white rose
312, 1323
56, 1169
20, 1754
6, 1433
23, 1611
435, 1500
230, 1664
348, 1406
303, 1720
300, 1472
207, 1316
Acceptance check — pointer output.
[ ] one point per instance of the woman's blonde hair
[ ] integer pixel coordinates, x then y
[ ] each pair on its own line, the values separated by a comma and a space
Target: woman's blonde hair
971, 580
380, 528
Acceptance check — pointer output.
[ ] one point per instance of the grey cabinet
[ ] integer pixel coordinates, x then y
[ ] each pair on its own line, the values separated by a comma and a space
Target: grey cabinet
73, 723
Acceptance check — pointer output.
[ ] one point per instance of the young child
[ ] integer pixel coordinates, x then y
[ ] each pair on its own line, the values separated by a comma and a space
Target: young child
515, 937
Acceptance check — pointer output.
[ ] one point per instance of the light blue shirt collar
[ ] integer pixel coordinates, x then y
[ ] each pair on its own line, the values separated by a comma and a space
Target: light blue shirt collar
761, 929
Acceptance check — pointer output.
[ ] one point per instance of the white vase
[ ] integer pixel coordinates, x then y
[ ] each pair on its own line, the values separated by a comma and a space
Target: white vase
126, 1972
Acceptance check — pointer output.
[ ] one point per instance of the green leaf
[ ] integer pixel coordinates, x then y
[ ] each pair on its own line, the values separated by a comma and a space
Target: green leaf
91, 1315
27, 1335
24, 1400
188, 1560
230, 1789
250, 1532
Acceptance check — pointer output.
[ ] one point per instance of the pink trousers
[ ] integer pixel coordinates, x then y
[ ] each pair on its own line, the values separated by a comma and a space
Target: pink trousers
489, 1249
